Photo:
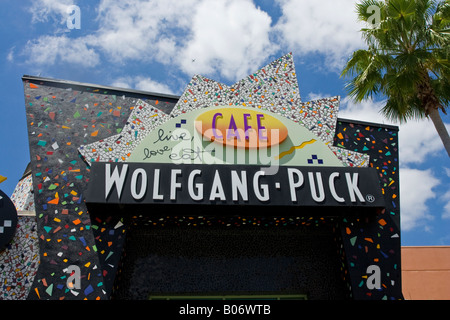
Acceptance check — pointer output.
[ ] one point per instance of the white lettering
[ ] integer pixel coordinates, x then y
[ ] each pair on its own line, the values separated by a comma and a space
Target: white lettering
187, 184
74, 280
207, 311
198, 186
374, 281
217, 189
332, 177
375, 19
174, 185
293, 185
74, 19
114, 179
156, 196
312, 186
134, 178
266, 309
352, 184
239, 184
272, 160
264, 187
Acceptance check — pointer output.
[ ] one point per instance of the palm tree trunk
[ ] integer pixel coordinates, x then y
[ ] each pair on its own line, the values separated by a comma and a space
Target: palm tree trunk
434, 115
431, 106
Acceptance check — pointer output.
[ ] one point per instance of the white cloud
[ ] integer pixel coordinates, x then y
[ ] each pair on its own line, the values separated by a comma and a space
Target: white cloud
418, 140
10, 56
43, 10
447, 171
328, 27
225, 37
317, 95
141, 30
228, 37
417, 188
142, 83
127, 30
446, 198
48, 50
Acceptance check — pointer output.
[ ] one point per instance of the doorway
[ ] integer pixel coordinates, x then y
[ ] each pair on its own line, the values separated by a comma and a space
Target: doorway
226, 261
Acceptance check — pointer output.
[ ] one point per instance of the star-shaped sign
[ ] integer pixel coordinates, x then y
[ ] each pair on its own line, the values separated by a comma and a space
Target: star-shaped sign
272, 89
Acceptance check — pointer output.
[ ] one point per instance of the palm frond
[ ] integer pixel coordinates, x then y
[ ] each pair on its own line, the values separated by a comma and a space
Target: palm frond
411, 44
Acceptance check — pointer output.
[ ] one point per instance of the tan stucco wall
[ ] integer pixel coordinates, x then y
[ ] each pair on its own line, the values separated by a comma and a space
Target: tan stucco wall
426, 273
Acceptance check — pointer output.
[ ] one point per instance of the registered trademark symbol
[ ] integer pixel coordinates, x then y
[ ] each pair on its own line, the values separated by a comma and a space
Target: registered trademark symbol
370, 198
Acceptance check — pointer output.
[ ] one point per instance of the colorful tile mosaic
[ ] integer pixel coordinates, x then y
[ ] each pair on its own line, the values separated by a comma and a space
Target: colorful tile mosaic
19, 261
273, 88
143, 119
376, 240
61, 118
23, 197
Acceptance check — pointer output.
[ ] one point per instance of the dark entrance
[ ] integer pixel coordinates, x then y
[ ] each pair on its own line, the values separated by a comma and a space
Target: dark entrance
224, 259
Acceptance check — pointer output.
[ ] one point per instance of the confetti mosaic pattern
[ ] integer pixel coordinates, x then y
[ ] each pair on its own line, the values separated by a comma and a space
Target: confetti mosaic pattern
62, 117
375, 240
68, 121
273, 88
19, 261
318, 116
143, 119
23, 197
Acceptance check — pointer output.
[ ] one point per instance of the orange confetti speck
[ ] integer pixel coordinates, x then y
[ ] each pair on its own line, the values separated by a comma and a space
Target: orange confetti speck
54, 201
37, 292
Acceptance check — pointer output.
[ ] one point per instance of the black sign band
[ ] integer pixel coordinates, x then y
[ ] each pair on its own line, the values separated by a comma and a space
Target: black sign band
164, 183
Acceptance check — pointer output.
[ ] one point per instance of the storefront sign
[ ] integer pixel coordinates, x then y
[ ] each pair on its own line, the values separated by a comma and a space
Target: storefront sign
233, 135
241, 128
163, 183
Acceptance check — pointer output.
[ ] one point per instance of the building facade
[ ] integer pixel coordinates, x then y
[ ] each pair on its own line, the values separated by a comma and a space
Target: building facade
224, 191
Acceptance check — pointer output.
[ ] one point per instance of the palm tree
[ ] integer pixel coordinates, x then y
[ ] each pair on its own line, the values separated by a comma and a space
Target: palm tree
407, 59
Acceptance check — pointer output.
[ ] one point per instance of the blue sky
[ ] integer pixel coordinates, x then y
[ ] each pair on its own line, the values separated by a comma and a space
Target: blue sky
159, 45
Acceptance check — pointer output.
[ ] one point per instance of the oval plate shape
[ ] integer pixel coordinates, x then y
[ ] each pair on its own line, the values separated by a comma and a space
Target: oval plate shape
241, 128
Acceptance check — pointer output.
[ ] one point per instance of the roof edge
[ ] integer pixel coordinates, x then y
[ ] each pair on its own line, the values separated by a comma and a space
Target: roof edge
367, 123
97, 86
